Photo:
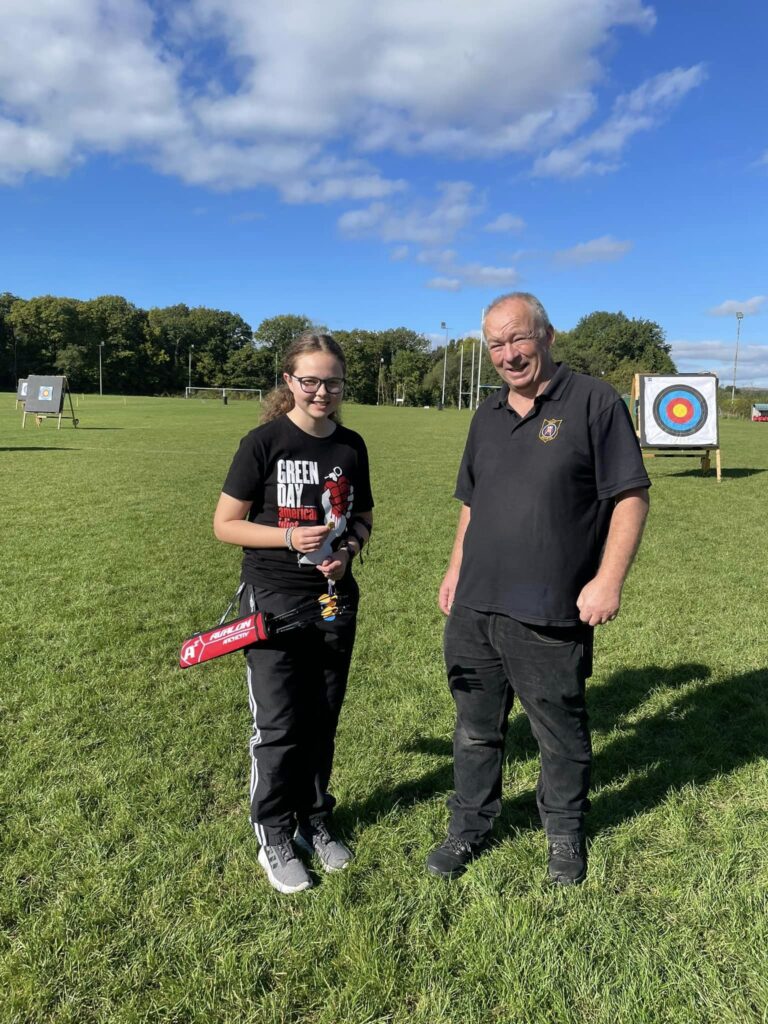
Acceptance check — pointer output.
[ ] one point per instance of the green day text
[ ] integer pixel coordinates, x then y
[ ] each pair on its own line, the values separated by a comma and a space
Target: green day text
292, 474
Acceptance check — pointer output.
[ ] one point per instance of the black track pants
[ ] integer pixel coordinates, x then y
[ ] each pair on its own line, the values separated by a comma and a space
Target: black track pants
296, 686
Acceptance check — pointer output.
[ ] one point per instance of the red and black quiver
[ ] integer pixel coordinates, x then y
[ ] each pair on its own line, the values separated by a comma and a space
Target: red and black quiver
255, 629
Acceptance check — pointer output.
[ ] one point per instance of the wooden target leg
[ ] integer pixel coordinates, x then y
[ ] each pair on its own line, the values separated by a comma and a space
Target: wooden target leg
718, 466
705, 464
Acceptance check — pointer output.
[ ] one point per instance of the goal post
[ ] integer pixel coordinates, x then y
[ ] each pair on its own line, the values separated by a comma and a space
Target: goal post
236, 394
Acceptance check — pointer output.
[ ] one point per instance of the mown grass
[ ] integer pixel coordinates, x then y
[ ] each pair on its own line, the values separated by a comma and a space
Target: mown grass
130, 888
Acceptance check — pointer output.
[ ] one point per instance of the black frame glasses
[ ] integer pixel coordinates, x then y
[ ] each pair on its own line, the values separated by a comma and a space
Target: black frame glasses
333, 385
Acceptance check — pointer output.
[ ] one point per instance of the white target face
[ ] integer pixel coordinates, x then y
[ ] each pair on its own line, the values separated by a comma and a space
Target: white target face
678, 411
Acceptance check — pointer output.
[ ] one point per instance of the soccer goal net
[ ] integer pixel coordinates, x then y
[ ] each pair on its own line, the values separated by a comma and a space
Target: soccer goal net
223, 393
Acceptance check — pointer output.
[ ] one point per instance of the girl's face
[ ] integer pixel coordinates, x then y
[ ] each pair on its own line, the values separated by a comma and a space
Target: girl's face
316, 403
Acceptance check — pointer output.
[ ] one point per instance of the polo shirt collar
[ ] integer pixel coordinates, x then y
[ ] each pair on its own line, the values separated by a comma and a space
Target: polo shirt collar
553, 391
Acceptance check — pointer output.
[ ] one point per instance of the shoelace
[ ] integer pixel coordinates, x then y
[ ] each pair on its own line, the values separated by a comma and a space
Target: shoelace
564, 848
321, 834
281, 853
457, 845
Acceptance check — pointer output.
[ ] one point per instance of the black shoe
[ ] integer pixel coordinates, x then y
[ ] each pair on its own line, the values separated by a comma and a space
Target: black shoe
567, 860
451, 858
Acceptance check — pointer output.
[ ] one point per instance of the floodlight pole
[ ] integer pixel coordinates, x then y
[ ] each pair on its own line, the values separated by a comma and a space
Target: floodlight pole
189, 375
739, 318
101, 390
444, 326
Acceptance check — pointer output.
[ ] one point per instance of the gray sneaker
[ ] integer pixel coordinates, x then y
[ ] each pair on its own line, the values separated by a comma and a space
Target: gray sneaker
330, 851
284, 870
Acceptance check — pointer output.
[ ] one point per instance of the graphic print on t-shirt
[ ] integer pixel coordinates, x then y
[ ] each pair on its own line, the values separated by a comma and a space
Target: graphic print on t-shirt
336, 499
292, 477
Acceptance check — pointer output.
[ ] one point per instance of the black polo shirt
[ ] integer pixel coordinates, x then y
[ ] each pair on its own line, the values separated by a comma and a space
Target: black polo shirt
541, 490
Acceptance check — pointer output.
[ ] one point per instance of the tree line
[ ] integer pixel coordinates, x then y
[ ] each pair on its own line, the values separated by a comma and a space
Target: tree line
160, 350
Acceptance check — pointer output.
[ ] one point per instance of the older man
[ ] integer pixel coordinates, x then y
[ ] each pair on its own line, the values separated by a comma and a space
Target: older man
554, 500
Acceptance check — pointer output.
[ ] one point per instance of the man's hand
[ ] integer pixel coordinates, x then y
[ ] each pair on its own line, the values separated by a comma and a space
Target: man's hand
447, 590
600, 599
598, 602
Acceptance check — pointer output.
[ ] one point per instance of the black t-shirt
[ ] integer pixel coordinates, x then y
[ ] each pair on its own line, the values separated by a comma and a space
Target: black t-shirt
541, 489
295, 479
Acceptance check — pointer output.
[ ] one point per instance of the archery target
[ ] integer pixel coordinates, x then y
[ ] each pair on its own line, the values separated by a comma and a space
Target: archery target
679, 411
45, 394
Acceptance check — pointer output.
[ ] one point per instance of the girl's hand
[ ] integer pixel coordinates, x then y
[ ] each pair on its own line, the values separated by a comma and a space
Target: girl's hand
309, 538
333, 568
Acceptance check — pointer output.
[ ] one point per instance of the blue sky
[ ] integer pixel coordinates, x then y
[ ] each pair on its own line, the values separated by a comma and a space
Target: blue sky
372, 165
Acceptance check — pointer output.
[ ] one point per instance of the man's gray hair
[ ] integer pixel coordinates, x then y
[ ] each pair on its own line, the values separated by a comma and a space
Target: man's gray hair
541, 322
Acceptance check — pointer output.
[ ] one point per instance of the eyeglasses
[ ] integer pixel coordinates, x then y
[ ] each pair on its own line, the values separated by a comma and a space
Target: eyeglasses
311, 385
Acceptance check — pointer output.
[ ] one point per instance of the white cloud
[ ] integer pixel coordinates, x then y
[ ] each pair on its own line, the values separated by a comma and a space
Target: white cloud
454, 209
599, 250
640, 110
399, 253
717, 357
445, 284
233, 94
733, 306
456, 276
506, 222
480, 276
437, 257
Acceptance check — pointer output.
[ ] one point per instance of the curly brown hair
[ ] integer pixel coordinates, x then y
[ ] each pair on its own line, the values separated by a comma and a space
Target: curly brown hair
280, 400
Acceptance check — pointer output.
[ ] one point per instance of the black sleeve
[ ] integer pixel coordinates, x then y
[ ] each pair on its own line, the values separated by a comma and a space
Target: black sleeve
618, 459
363, 495
465, 481
245, 479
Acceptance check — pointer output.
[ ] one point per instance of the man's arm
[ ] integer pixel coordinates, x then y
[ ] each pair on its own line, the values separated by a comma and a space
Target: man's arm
600, 599
451, 578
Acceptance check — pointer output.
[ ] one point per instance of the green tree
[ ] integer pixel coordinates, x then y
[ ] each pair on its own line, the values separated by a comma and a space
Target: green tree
369, 356
407, 373
9, 368
615, 347
43, 326
454, 364
168, 331
250, 367
129, 362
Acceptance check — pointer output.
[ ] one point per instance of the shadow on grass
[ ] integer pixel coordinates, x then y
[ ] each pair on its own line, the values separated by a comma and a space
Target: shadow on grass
731, 474
39, 448
708, 731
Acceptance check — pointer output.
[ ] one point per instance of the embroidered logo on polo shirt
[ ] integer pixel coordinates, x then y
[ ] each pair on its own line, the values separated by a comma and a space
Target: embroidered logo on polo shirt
549, 430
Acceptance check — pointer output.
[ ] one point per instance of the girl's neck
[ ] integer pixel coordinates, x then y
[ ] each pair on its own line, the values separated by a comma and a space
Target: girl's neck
315, 428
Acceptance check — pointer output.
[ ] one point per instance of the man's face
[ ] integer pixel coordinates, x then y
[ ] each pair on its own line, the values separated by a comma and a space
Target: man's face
521, 359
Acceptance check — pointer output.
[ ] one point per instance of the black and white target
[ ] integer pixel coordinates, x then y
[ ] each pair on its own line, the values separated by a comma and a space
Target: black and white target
678, 411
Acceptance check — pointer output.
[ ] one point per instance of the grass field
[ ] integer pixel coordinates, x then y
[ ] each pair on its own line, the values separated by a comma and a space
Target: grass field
130, 887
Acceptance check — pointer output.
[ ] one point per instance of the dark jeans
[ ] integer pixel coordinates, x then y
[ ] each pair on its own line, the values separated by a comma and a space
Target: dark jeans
296, 686
490, 658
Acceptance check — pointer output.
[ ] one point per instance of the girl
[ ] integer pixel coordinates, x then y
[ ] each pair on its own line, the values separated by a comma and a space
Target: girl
297, 499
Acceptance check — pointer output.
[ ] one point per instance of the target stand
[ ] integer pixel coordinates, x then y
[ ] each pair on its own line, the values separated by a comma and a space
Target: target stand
676, 416
45, 397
